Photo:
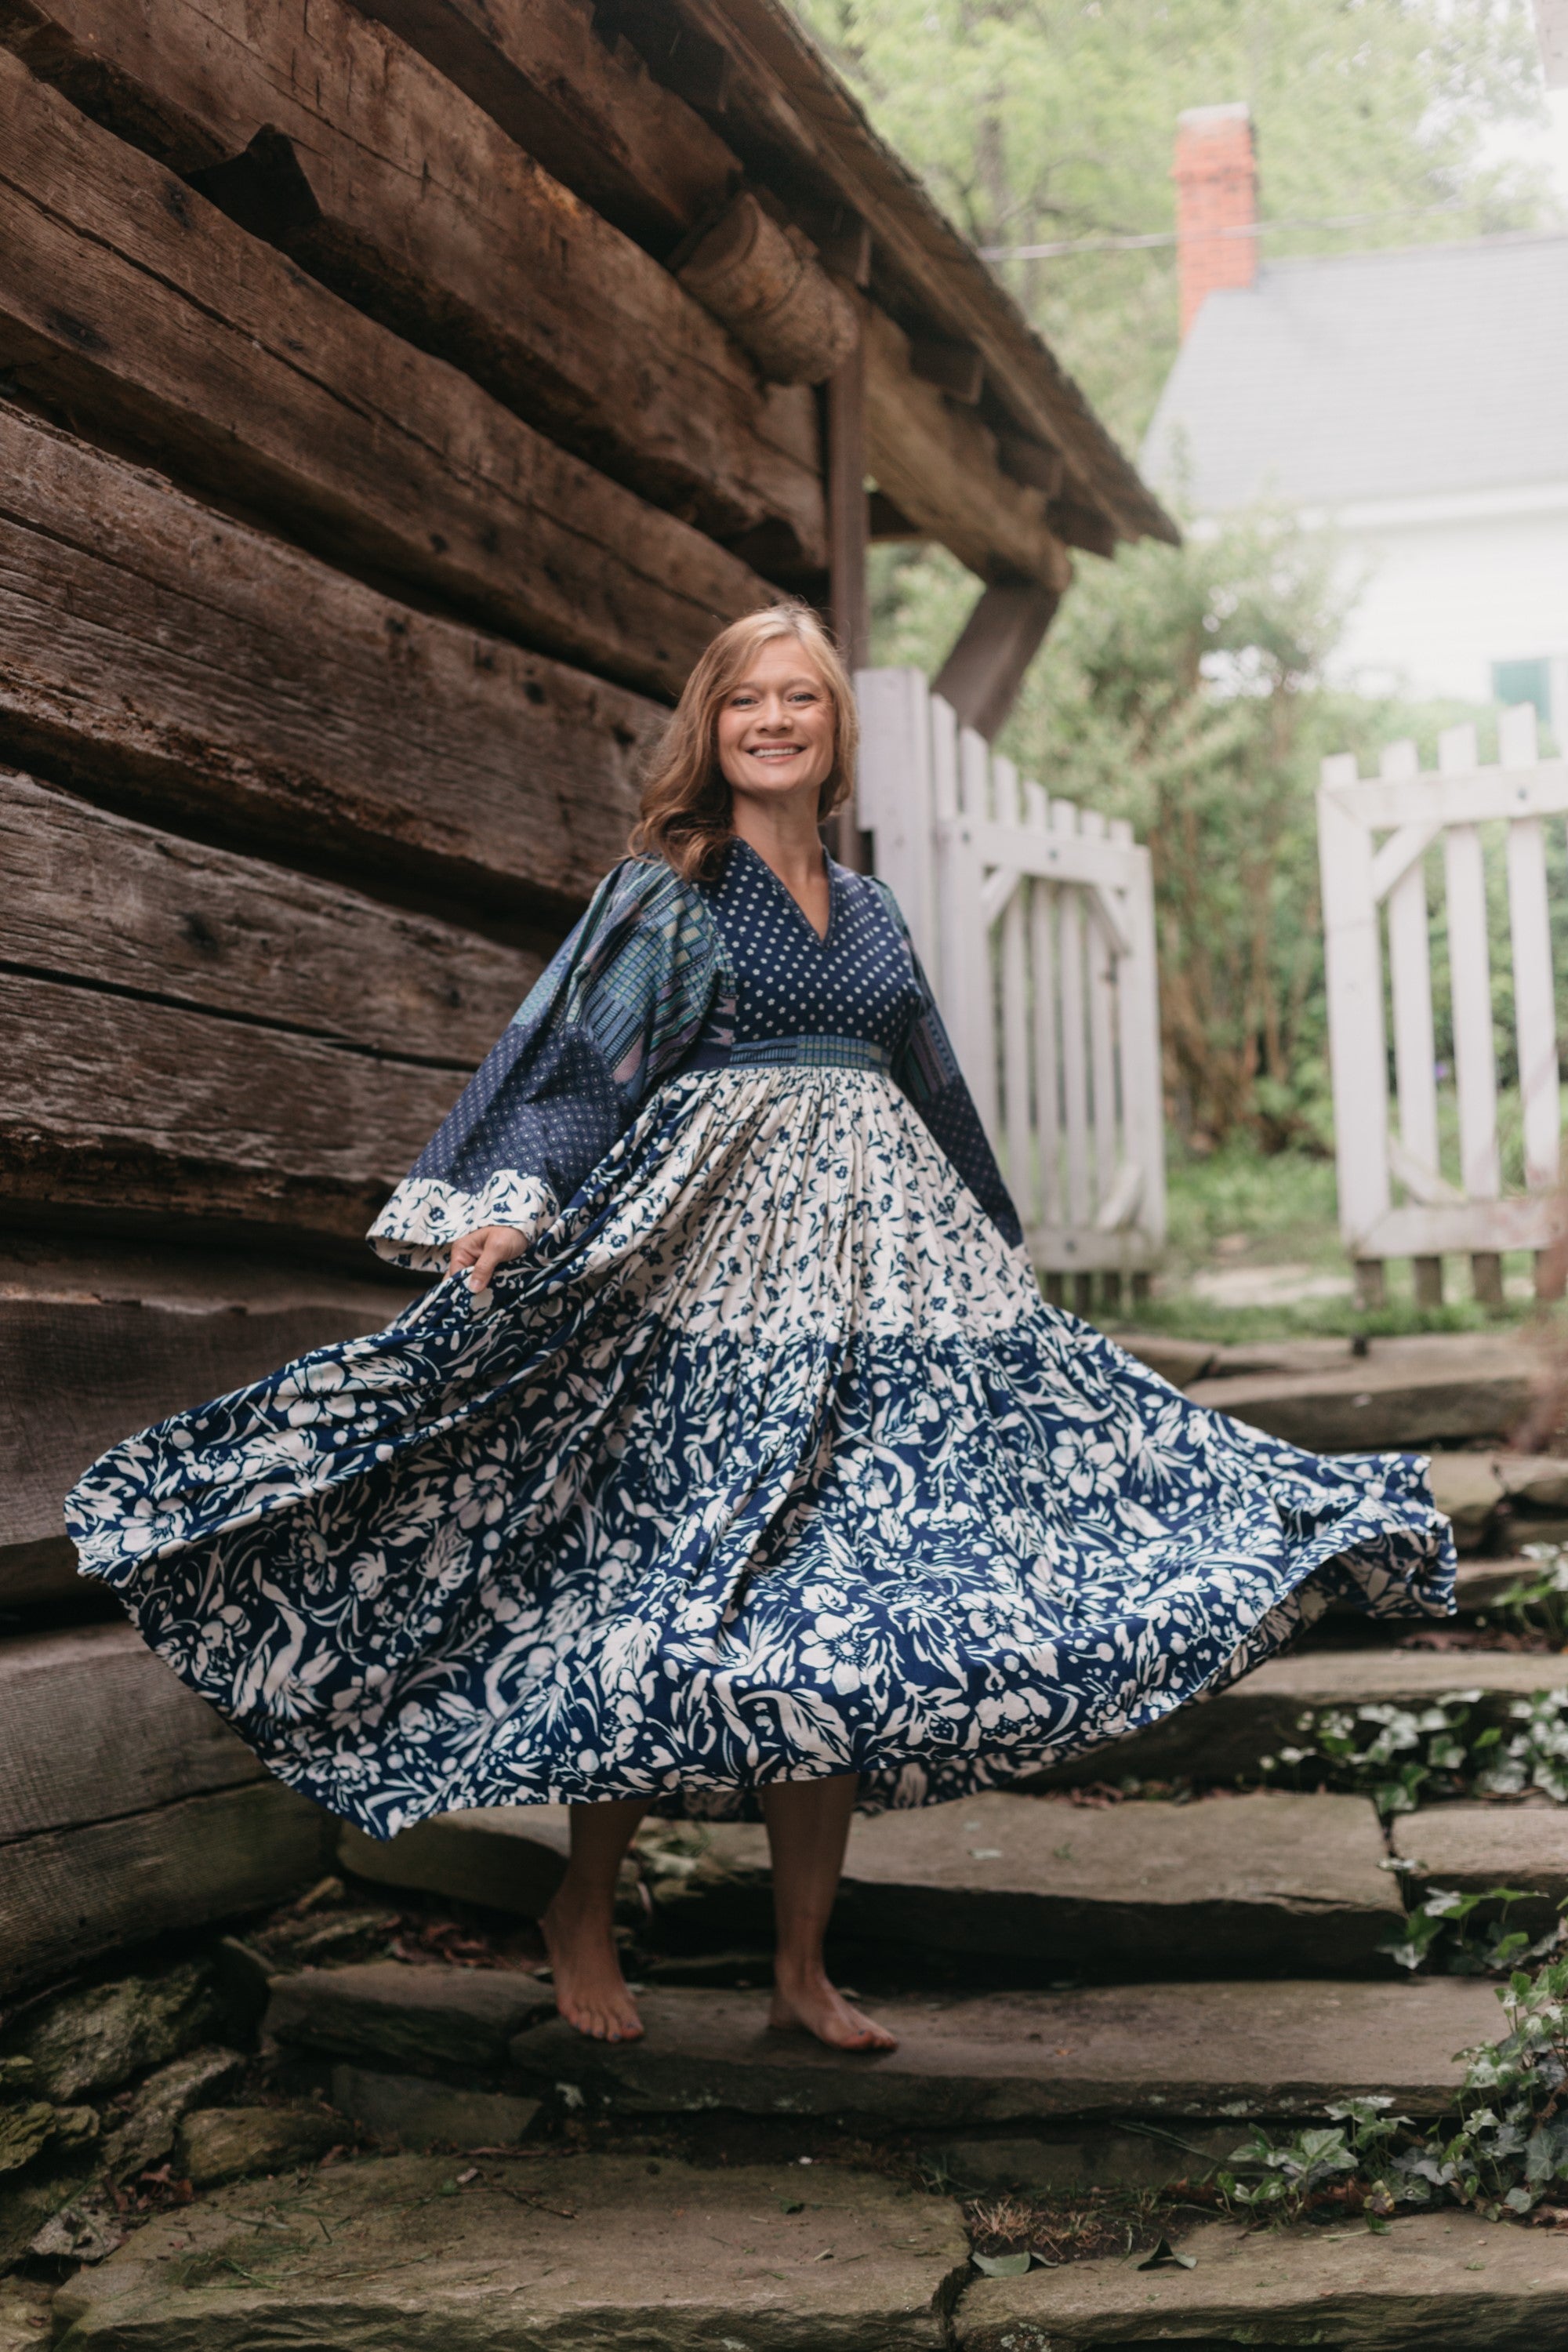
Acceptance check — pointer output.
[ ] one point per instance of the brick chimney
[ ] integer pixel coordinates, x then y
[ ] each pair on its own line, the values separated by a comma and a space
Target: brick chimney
1215, 174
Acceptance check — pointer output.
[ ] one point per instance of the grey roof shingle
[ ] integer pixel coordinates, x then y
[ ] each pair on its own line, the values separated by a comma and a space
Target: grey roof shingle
1375, 375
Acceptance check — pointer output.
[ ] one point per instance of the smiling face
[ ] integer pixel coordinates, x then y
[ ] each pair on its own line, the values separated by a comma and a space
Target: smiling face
775, 727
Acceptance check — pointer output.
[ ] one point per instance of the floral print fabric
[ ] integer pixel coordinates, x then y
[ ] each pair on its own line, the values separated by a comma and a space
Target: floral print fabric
766, 1461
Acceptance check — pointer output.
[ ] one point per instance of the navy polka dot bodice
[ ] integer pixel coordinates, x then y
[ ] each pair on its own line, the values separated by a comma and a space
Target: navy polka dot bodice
844, 1001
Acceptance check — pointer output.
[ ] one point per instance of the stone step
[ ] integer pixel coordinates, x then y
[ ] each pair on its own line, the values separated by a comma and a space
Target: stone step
511, 1857
1486, 1492
1440, 2282
1279, 2048
1226, 1737
560, 2253
1470, 1849
421, 2021
549, 2250
1225, 1885
1202, 2054
1415, 1393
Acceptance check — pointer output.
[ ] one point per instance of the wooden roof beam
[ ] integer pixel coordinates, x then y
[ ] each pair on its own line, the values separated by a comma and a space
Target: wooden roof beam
983, 674
956, 369
789, 117
576, 95
939, 466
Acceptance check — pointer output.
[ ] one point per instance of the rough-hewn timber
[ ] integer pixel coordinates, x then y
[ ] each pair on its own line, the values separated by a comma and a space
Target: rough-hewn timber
586, 107
93, 1725
938, 463
407, 198
78, 1375
69, 1896
125, 292
98, 897
158, 650
166, 1116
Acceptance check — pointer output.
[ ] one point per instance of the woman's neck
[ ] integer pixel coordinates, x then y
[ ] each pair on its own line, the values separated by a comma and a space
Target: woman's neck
785, 835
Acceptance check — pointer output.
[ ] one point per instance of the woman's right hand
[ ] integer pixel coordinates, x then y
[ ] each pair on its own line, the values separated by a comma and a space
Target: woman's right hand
479, 1253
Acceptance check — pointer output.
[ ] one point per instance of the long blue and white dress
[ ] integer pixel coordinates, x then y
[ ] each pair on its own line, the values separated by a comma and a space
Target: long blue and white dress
766, 1460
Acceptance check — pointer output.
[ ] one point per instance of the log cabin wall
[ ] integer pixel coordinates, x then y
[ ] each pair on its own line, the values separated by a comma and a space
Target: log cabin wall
374, 475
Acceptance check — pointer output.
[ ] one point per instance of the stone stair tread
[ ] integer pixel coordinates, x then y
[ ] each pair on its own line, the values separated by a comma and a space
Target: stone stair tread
586, 2250
1403, 1393
1471, 1848
1227, 1884
1433, 2283
511, 1857
1228, 1735
422, 2017
1480, 1584
1279, 2048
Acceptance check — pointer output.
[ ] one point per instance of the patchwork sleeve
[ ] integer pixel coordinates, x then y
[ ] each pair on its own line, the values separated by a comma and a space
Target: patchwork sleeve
927, 1071
622, 1002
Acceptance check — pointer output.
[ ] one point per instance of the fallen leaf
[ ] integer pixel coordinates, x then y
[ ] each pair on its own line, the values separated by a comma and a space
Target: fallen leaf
1165, 2258
1001, 2265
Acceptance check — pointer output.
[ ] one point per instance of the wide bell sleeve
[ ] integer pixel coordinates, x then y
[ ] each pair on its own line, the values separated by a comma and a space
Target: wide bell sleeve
925, 1069
621, 1002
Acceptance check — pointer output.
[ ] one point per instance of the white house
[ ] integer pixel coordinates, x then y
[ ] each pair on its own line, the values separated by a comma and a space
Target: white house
1417, 400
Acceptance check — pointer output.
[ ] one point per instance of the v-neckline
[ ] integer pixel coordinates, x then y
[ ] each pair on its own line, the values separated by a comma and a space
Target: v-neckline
818, 938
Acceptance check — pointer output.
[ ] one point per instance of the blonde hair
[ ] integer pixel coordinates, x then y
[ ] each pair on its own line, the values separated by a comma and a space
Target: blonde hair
686, 815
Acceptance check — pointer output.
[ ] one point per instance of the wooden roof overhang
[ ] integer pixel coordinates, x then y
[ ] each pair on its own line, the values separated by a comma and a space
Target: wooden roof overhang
794, 124
656, 111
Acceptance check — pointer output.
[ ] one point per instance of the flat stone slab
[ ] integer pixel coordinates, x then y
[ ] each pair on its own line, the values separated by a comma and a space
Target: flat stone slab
419, 2112
423, 2020
1226, 1737
511, 1857
545, 2255
1403, 1394
1204, 2050
1434, 2283
1473, 1848
1237, 1886
1480, 1584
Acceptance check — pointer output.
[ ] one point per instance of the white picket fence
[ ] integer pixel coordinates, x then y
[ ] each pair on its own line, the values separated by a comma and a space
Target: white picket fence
1411, 810
1034, 920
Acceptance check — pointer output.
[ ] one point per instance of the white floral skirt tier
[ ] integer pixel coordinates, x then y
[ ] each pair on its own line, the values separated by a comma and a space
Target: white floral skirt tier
766, 1461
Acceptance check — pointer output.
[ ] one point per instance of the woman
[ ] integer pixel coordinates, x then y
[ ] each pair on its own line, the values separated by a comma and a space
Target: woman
737, 1463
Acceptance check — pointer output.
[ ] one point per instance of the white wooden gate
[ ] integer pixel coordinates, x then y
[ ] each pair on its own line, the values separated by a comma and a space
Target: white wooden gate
1034, 920
1411, 810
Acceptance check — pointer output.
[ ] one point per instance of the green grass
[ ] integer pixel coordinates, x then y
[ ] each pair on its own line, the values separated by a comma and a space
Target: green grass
1242, 1208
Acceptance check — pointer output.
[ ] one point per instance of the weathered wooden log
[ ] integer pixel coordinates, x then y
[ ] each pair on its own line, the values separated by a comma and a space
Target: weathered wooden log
763, 281
584, 105
155, 648
67, 1897
939, 465
166, 1116
95, 897
407, 198
184, 332
93, 1724
81, 1368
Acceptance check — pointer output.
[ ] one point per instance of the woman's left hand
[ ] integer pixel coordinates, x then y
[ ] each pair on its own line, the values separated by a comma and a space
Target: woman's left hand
480, 1252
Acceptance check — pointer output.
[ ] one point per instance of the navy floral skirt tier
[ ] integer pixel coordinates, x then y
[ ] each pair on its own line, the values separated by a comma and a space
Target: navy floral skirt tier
765, 1461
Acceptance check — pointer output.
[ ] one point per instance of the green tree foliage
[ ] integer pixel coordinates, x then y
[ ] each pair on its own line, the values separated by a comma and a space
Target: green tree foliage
1182, 689
1185, 690
1033, 121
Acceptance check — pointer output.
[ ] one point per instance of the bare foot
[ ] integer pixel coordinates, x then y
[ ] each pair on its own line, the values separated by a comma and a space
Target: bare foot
590, 1991
810, 2004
